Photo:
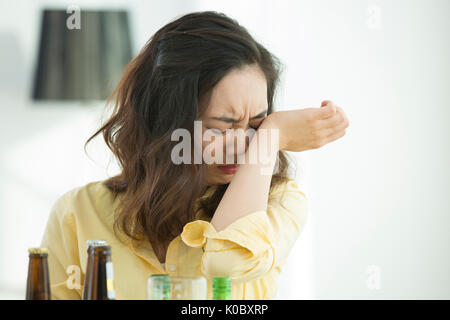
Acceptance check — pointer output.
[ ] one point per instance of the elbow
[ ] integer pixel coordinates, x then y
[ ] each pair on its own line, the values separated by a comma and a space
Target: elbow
240, 264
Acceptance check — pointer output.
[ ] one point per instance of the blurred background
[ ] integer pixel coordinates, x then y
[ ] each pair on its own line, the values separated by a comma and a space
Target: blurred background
379, 205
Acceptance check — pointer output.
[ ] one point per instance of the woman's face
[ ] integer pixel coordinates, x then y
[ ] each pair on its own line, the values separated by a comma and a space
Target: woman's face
238, 101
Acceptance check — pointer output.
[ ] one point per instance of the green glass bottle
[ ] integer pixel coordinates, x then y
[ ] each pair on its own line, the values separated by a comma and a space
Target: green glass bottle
221, 288
158, 287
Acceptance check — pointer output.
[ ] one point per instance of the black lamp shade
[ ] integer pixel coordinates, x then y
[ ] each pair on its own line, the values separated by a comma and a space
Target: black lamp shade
85, 63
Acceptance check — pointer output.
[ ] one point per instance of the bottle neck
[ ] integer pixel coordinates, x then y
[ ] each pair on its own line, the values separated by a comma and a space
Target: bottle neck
99, 280
221, 295
221, 288
38, 280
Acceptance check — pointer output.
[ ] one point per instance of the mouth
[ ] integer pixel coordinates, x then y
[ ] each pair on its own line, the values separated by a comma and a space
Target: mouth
229, 169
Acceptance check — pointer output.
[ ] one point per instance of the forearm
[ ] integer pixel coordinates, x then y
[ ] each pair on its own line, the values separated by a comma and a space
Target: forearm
249, 189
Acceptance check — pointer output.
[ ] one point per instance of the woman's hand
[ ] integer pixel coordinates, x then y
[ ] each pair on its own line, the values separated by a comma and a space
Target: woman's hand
309, 128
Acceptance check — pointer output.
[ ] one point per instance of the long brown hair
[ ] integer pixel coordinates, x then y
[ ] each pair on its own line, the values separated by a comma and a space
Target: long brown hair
160, 92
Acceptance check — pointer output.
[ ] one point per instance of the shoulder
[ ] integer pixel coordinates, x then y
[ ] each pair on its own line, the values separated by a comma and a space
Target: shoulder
287, 197
93, 196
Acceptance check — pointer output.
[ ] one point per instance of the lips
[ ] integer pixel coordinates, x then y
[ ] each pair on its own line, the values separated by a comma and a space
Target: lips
229, 169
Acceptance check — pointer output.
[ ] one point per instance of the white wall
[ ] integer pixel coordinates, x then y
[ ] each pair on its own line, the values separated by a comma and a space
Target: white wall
41, 144
377, 196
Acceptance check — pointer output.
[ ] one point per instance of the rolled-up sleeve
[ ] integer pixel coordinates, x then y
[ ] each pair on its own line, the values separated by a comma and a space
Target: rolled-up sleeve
253, 245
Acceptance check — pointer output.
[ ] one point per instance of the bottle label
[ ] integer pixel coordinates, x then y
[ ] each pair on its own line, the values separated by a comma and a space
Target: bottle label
110, 280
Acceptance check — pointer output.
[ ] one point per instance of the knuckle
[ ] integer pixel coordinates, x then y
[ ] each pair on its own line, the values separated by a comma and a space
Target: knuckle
340, 111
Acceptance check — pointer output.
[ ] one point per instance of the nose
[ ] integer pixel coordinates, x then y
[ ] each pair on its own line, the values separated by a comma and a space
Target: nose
237, 142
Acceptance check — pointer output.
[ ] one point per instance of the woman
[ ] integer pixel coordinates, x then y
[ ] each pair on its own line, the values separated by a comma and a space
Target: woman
161, 215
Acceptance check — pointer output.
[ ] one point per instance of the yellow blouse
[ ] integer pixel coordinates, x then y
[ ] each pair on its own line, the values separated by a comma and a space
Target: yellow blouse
251, 250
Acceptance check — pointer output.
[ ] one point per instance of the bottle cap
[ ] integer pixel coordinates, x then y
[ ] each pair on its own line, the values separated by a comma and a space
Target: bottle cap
95, 243
38, 251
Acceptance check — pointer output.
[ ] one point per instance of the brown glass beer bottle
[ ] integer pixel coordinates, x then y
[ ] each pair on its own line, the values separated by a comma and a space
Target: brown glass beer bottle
38, 281
99, 279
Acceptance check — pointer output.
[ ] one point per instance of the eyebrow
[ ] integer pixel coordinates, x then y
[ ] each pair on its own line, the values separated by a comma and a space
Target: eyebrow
231, 120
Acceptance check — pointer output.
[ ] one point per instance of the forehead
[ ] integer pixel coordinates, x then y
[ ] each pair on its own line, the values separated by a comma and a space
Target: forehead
241, 91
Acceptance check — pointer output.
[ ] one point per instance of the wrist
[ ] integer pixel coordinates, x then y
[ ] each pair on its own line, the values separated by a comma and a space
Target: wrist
269, 124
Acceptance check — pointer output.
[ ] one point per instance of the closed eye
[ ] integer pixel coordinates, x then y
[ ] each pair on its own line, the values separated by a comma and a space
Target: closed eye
231, 120
217, 131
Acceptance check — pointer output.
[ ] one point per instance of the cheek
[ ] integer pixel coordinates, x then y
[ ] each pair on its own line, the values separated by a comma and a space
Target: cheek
205, 144
228, 148
213, 148
212, 145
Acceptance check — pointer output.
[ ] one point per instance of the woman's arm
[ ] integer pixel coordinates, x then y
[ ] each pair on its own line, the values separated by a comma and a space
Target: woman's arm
249, 189
298, 130
251, 234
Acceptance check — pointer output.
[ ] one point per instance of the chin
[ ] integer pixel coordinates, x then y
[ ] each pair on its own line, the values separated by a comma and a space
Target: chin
227, 178
219, 178
216, 176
